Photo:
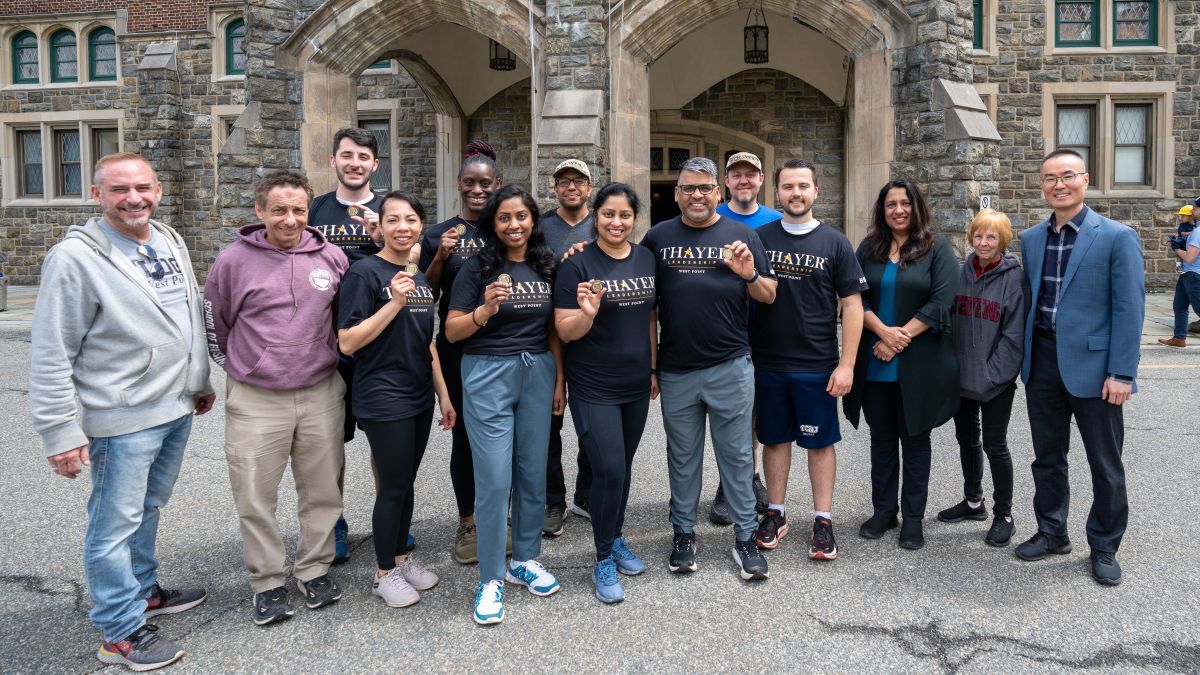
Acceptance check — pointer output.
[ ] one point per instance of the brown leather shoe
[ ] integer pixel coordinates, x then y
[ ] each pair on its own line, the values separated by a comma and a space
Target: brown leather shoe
1173, 342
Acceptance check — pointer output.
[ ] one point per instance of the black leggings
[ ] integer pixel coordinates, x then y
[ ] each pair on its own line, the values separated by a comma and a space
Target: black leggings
397, 447
462, 469
884, 410
995, 414
610, 435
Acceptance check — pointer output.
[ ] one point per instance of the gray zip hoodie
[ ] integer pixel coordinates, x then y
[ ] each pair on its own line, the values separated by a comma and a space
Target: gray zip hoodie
989, 326
107, 358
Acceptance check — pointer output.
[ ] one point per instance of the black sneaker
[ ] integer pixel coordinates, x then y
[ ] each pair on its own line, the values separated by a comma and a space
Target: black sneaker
320, 591
719, 514
752, 564
770, 530
271, 606
876, 525
683, 553
912, 535
1001, 531
822, 546
1105, 568
1041, 545
962, 511
142, 650
166, 601
760, 496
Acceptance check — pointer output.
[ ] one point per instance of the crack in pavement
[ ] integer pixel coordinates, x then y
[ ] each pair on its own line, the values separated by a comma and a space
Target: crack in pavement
953, 652
38, 585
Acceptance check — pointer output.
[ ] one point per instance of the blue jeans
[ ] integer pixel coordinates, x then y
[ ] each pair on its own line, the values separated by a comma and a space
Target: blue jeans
132, 479
1187, 292
506, 407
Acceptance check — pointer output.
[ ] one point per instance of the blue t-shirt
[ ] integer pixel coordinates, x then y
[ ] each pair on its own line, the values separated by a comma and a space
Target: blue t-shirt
879, 371
760, 217
1193, 240
701, 301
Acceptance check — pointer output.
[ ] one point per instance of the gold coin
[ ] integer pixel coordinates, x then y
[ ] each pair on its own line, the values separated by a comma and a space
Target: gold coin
505, 279
727, 254
353, 210
597, 285
460, 229
411, 268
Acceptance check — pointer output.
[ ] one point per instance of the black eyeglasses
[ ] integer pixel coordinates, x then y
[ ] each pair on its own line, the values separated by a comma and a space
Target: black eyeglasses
704, 189
150, 254
568, 182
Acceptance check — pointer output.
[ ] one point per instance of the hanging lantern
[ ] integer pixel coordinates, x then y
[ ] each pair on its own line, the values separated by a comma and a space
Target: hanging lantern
755, 37
499, 58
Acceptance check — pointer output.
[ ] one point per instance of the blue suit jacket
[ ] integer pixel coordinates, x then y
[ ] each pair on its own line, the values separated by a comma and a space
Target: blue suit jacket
1101, 306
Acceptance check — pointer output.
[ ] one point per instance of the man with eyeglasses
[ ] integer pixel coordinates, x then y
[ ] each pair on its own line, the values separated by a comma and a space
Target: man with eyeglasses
118, 370
572, 222
708, 267
1081, 355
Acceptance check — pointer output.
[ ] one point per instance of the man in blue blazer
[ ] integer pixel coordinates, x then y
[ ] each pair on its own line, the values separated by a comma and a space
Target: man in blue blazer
1088, 283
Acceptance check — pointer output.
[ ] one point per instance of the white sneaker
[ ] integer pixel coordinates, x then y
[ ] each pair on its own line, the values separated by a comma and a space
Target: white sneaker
418, 577
489, 603
533, 576
394, 589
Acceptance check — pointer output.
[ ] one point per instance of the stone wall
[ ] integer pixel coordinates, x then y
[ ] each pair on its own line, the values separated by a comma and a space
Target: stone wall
1021, 71
414, 159
789, 114
505, 122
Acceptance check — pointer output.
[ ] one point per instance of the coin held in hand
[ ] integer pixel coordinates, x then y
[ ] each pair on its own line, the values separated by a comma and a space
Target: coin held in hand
597, 285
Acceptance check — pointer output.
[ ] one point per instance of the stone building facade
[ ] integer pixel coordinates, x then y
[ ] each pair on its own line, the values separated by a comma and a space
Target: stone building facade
964, 97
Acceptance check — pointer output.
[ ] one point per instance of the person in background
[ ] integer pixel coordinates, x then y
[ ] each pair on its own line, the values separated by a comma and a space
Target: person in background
1185, 246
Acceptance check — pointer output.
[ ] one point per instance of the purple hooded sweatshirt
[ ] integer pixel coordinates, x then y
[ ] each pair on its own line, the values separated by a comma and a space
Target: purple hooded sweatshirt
269, 312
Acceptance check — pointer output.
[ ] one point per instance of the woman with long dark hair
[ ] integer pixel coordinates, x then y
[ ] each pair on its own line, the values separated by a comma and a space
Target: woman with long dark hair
604, 301
500, 310
445, 248
385, 320
906, 376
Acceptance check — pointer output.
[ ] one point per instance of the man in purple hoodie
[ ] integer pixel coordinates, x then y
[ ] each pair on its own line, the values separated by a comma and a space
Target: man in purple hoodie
269, 302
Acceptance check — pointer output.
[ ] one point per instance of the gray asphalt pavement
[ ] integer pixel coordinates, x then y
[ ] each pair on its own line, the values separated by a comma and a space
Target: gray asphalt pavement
958, 605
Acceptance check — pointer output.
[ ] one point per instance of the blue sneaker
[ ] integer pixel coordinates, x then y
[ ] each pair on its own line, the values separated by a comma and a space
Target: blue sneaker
489, 602
341, 542
607, 581
627, 561
412, 541
532, 575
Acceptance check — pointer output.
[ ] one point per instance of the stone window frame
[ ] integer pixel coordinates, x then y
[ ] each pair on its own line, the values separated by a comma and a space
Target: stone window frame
376, 110
46, 123
390, 69
221, 119
990, 93
219, 19
1164, 12
81, 26
1105, 96
988, 45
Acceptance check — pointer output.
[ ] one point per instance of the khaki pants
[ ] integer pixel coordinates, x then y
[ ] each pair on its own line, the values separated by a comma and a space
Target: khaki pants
264, 429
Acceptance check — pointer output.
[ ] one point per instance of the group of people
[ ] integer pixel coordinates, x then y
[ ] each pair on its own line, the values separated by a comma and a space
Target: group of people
323, 316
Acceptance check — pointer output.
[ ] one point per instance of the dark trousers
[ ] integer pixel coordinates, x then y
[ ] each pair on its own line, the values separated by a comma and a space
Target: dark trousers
556, 481
884, 410
397, 447
346, 370
1102, 427
610, 434
995, 415
1187, 294
462, 469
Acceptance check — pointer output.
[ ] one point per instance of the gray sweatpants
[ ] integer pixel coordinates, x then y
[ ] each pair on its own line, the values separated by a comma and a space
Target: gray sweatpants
725, 394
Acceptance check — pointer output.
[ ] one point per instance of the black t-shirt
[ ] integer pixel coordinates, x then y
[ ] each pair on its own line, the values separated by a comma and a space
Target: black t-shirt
332, 219
468, 245
798, 332
393, 375
701, 302
560, 236
611, 363
520, 326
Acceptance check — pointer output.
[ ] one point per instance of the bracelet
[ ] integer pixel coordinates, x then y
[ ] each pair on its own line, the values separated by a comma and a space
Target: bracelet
476, 321
654, 371
753, 278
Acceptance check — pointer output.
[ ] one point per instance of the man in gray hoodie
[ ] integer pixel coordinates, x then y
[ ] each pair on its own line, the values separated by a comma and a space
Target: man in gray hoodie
118, 369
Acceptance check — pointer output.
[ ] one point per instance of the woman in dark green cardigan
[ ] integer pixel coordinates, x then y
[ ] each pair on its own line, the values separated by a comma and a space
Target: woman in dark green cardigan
906, 375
